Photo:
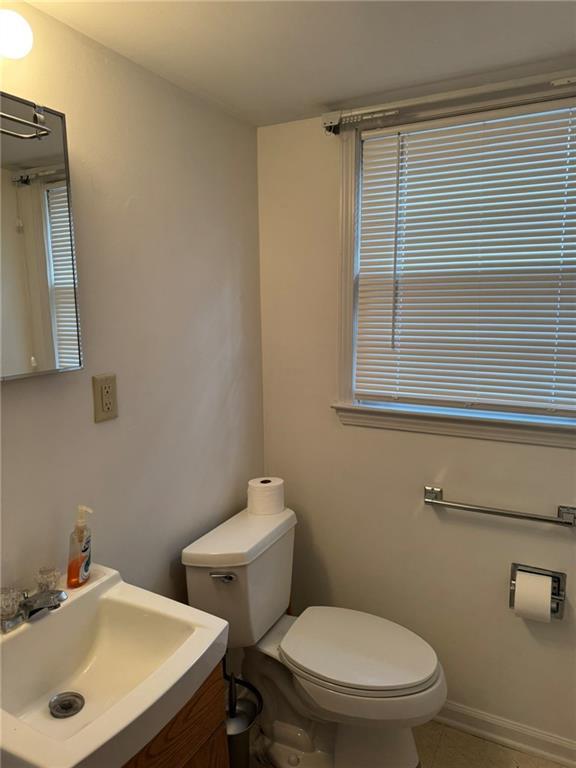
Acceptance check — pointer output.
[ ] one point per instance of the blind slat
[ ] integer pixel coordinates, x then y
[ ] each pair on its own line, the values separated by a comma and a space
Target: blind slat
63, 286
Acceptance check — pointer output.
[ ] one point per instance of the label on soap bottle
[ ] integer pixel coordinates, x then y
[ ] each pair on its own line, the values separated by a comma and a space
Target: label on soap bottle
86, 559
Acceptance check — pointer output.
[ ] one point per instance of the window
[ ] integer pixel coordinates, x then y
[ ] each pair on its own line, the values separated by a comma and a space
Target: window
61, 276
465, 267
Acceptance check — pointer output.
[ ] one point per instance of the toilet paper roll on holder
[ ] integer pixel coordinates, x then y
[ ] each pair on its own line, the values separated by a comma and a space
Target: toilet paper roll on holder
558, 587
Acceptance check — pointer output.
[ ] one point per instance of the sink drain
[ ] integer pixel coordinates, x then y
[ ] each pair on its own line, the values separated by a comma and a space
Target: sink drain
66, 704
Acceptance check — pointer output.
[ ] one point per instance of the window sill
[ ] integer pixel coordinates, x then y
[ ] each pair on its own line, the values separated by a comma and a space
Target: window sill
509, 429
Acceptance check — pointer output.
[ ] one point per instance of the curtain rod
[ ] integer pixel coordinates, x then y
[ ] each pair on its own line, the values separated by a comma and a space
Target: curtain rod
543, 87
27, 175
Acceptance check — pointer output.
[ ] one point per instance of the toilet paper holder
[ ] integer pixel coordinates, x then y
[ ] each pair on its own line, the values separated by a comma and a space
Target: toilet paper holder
558, 587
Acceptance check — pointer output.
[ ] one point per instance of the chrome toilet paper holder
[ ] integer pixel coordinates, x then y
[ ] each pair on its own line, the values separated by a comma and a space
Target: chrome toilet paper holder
558, 587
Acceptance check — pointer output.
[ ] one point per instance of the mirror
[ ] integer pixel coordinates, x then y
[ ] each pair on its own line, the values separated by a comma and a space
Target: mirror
40, 324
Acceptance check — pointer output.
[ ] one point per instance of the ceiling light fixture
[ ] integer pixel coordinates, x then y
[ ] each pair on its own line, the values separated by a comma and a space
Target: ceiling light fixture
16, 38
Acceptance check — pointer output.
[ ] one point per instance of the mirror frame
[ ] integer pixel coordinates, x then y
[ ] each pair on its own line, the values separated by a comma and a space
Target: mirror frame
80, 366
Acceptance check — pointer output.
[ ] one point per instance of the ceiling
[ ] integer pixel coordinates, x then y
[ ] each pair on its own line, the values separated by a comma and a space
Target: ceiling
269, 62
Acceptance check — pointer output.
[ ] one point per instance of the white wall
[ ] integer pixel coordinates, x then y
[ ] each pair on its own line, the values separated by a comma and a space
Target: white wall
365, 539
164, 197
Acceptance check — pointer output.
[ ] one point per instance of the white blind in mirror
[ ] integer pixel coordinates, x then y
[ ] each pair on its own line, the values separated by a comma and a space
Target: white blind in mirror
466, 264
63, 289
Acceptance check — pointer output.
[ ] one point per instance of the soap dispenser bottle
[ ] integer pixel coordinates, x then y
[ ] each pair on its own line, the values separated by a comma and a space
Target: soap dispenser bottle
80, 550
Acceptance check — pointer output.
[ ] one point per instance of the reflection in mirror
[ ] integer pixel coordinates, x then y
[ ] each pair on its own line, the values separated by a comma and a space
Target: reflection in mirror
40, 327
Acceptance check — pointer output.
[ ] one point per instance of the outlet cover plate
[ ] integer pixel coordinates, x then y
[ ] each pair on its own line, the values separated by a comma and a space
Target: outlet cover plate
105, 397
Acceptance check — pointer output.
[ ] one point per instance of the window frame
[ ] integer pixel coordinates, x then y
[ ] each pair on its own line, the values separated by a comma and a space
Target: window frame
505, 426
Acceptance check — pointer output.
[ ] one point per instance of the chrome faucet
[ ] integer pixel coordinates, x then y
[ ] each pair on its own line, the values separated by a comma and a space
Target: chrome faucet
32, 607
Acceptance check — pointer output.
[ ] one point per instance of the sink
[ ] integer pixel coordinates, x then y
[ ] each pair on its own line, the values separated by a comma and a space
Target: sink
135, 657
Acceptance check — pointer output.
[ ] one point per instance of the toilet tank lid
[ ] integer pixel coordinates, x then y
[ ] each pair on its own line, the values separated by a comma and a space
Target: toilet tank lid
239, 540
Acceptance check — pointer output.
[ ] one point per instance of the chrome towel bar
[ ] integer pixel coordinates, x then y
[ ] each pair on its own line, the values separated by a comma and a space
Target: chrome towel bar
435, 497
38, 123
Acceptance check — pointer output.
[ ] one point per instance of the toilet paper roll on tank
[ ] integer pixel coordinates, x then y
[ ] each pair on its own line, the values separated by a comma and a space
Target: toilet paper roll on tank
266, 495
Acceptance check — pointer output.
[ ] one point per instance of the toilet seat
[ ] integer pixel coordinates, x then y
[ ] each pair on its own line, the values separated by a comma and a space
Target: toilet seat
358, 654
360, 692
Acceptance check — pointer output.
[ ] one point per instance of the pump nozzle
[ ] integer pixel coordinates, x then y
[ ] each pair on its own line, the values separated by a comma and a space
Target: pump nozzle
83, 512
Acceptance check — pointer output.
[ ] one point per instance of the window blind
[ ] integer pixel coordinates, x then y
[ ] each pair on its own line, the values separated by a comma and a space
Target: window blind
62, 277
466, 264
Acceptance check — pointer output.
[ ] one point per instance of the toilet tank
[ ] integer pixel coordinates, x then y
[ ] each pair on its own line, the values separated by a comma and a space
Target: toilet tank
242, 572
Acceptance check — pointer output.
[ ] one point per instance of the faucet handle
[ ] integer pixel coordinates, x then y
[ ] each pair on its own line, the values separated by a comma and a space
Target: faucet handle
10, 599
47, 579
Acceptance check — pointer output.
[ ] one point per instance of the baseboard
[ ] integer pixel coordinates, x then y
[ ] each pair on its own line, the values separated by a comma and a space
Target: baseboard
509, 733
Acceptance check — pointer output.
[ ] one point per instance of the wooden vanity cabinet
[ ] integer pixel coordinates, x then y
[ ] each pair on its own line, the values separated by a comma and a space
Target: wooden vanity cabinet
195, 737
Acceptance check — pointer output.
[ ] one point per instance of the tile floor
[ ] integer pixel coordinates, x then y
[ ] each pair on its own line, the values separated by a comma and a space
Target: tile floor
442, 747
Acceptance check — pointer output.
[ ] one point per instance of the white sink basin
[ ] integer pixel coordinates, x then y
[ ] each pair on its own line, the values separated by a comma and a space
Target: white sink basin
135, 657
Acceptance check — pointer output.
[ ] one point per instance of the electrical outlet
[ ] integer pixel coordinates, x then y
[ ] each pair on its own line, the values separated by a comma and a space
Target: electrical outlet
105, 398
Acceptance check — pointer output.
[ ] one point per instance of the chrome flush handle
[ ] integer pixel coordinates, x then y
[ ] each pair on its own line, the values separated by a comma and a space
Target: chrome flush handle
225, 577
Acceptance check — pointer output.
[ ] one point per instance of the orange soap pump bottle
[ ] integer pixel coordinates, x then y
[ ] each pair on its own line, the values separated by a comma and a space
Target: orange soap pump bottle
80, 550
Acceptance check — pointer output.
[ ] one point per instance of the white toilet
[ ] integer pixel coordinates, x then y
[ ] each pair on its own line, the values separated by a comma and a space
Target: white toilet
341, 688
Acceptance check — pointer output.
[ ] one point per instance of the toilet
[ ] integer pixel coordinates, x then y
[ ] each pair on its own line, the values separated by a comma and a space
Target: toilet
341, 688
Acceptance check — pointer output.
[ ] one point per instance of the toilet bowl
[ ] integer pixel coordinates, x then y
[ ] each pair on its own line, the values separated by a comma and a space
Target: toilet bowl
370, 679
341, 688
